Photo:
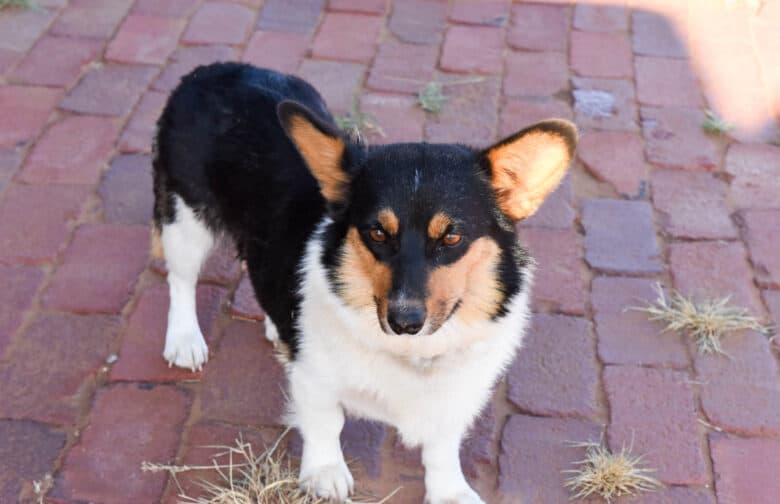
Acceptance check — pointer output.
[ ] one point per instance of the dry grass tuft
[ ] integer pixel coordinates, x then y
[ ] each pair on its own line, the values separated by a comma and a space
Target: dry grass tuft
715, 124
247, 479
609, 475
24, 4
431, 97
707, 322
357, 124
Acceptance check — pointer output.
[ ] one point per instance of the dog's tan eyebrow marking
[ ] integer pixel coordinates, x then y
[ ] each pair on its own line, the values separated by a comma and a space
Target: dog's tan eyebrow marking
388, 220
438, 225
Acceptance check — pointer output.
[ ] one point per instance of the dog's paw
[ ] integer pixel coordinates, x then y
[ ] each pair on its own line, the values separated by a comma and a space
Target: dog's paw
332, 481
186, 349
465, 496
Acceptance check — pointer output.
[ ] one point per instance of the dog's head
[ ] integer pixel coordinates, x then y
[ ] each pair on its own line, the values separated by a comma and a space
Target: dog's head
425, 232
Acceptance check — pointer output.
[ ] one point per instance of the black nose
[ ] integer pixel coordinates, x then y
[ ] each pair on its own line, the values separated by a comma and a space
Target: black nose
406, 317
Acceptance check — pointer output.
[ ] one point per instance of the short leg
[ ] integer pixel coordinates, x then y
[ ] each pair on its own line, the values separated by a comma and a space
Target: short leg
186, 243
444, 480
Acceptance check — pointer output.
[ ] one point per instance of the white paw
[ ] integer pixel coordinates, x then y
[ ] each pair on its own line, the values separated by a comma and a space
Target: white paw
186, 349
464, 496
332, 481
271, 333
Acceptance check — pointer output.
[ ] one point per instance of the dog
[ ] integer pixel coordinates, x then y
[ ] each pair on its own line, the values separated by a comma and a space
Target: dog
391, 273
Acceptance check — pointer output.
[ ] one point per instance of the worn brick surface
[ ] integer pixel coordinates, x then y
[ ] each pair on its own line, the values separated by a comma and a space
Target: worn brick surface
403, 68
56, 61
616, 157
10, 162
244, 305
517, 114
535, 73
601, 17
666, 81
20, 284
90, 18
744, 469
557, 211
539, 27
653, 411
28, 452
470, 114
657, 35
110, 90
170, 8
756, 172
243, 383
560, 282
418, 21
399, 117
219, 23
675, 495
364, 6
625, 335
556, 372
619, 236
480, 12
751, 362
347, 37
336, 81
71, 348
477, 446
20, 28
535, 451
675, 139
25, 111
72, 151
300, 16
606, 104
140, 129
140, 358
692, 205
280, 51
35, 220
473, 49
748, 410
185, 59
145, 39
126, 190
595, 54
102, 264
143, 424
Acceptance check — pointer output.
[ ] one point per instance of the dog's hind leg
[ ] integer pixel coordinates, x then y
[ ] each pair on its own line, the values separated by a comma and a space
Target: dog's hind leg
186, 244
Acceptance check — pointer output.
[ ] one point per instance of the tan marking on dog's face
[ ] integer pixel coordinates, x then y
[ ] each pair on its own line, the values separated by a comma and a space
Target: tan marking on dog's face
388, 220
472, 280
438, 225
323, 154
365, 281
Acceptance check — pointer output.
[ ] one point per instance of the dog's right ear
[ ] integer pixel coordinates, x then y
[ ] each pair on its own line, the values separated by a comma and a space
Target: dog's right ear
321, 147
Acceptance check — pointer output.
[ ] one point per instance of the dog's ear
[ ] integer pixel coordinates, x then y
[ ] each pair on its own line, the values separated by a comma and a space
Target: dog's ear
322, 148
526, 167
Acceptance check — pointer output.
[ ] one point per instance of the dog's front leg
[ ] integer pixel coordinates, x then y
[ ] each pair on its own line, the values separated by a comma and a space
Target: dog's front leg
444, 480
319, 418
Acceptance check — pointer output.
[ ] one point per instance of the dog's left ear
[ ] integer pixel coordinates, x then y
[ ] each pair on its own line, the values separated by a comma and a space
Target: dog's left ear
321, 147
527, 166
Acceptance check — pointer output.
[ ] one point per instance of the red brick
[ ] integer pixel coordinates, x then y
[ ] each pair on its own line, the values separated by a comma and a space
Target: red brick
517, 114
745, 469
169, 8
616, 157
90, 18
185, 59
56, 61
534, 453
25, 112
560, 278
400, 117
620, 237
35, 220
772, 299
140, 358
243, 383
244, 305
606, 104
675, 139
28, 452
126, 190
480, 12
714, 270
600, 17
654, 412
595, 54
145, 39
756, 172
71, 349
557, 211
556, 372
418, 21
20, 284
761, 227
746, 410
128, 425
219, 23
750, 362
20, 28
477, 447
402, 68
473, 49
336, 81
102, 264
675, 495
139, 132
470, 113
665, 81
110, 90
9, 58
656, 34
347, 37
539, 27
535, 74
279, 51
299, 16
72, 151
363, 6
10, 162
644, 344
692, 205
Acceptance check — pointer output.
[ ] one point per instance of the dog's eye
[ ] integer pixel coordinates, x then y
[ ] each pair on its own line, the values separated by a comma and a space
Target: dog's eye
451, 239
378, 235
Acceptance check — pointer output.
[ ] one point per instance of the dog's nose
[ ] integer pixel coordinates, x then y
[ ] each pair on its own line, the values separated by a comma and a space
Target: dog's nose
406, 317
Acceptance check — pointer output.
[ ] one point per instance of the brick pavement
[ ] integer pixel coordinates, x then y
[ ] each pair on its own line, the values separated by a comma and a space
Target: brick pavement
84, 393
